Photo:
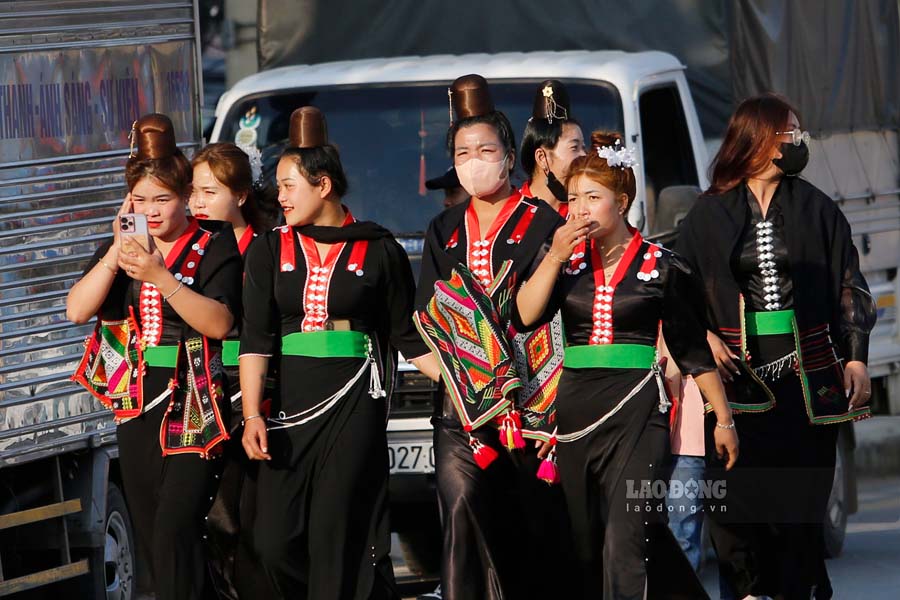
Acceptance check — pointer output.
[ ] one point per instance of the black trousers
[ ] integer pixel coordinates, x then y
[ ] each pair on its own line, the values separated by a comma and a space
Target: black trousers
168, 498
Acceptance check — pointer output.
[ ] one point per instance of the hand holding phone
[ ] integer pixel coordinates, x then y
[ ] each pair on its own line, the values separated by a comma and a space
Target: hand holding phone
133, 226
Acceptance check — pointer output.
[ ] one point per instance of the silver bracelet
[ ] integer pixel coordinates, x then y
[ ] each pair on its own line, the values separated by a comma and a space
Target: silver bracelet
250, 418
108, 266
175, 291
729, 426
561, 262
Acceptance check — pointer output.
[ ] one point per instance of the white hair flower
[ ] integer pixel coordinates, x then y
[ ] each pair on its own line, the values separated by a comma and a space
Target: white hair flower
618, 156
256, 166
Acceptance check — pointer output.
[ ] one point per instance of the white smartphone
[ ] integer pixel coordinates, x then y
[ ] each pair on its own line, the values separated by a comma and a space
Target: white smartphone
134, 226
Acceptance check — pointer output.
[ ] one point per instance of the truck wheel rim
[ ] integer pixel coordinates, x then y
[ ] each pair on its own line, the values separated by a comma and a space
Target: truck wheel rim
119, 569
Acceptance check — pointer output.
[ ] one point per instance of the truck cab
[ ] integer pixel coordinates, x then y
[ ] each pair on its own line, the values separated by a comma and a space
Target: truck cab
389, 119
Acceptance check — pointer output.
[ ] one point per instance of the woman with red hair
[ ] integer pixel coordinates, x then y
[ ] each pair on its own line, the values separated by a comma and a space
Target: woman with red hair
614, 288
790, 315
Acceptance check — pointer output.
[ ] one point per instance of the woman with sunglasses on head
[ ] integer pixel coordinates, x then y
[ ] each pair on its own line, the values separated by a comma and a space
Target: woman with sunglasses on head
474, 256
612, 438
330, 298
155, 358
227, 180
790, 320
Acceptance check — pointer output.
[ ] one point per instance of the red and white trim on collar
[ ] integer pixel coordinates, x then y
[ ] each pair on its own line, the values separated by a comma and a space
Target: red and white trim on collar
648, 268
480, 251
150, 301
525, 190
318, 272
602, 330
245, 240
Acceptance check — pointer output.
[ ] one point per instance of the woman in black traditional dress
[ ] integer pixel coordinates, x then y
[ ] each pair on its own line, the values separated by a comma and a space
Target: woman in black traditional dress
155, 358
791, 315
226, 183
614, 288
551, 141
475, 254
331, 298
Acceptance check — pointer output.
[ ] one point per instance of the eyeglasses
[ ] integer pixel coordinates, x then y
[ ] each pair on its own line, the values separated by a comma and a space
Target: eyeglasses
797, 136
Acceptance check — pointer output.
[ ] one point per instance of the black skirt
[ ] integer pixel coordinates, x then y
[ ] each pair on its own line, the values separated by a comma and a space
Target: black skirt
624, 545
769, 537
321, 528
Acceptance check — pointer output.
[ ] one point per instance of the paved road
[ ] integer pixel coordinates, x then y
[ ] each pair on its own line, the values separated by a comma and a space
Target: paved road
869, 566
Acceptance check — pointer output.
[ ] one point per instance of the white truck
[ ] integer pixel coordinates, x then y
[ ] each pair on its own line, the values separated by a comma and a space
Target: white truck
73, 78
389, 117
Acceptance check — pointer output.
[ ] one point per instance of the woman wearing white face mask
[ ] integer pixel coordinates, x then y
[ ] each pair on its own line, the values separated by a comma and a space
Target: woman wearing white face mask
475, 254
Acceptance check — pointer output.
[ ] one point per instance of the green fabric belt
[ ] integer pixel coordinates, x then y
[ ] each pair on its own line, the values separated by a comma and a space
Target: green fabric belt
230, 351
161, 356
774, 322
326, 344
613, 356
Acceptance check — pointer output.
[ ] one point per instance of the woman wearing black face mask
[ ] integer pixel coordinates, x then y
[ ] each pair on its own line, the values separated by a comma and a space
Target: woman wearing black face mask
790, 314
552, 140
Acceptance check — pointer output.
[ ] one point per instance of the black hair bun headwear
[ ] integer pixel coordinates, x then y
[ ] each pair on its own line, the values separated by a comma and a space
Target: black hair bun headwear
470, 96
551, 101
153, 136
308, 128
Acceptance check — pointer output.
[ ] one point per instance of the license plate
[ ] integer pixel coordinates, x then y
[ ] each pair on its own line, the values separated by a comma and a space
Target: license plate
411, 457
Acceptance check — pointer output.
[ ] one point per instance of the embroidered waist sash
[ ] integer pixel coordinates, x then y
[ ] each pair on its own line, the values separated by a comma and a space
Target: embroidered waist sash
817, 364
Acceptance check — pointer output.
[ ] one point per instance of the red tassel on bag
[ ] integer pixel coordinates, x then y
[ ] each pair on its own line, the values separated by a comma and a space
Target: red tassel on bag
484, 455
548, 471
511, 431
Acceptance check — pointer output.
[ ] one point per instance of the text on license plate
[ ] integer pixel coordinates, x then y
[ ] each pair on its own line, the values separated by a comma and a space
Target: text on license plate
411, 457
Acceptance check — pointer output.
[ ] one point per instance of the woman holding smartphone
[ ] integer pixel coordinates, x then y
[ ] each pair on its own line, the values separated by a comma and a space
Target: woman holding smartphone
331, 297
154, 358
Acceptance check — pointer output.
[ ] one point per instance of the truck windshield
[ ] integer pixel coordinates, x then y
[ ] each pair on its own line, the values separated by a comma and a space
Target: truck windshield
393, 137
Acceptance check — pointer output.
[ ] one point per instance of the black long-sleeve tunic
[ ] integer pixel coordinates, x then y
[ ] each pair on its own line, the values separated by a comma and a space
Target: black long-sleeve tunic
817, 274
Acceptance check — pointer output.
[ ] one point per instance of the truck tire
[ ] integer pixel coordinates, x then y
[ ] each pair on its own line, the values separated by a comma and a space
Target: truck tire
835, 526
119, 549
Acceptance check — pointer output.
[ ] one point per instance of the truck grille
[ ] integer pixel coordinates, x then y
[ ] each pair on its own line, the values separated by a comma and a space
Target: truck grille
415, 395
